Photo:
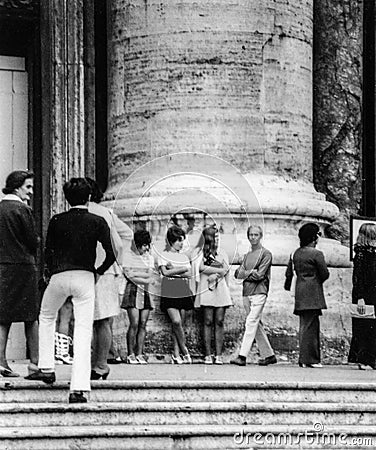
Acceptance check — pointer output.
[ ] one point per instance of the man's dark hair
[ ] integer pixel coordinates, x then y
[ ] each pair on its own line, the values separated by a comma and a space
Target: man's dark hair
174, 234
77, 191
96, 191
15, 180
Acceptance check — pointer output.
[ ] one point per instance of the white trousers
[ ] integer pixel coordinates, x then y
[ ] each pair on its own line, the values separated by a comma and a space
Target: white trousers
254, 329
80, 285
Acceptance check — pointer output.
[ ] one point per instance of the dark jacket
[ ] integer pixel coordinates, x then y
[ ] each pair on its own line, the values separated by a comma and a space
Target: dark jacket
18, 237
364, 275
311, 270
72, 239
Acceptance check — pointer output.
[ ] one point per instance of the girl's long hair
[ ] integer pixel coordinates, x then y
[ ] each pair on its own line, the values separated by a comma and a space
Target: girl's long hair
367, 235
207, 241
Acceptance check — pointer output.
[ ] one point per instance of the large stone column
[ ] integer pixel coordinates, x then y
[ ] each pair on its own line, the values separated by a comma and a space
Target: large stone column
63, 67
230, 83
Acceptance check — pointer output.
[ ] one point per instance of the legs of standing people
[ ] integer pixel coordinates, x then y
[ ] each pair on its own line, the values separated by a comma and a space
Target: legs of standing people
143, 318
219, 314
4, 333
102, 344
177, 319
62, 338
53, 298
134, 317
254, 329
263, 344
31, 333
208, 327
113, 354
257, 303
83, 296
309, 337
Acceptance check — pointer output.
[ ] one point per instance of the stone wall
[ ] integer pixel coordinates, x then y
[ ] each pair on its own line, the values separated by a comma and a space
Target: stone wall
337, 106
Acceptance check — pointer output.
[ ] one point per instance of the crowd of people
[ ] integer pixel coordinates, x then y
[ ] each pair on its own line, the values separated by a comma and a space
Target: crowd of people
85, 258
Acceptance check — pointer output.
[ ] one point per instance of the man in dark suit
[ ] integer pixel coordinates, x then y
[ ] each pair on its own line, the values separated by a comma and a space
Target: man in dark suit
70, 255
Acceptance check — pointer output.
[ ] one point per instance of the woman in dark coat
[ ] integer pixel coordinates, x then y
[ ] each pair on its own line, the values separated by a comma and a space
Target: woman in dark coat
19, 300
311, 270
363, 342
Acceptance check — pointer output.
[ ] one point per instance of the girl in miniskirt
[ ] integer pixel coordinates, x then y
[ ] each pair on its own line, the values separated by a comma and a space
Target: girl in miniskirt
136, 301
176, 296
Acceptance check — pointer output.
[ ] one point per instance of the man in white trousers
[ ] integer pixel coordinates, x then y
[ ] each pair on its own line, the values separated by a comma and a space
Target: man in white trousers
255, 271
70, 255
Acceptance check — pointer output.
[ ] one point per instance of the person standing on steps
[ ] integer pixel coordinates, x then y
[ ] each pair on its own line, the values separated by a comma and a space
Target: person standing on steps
19, 298
138, 267
70, 255
107, 304
311, 271
255, 271
176, 295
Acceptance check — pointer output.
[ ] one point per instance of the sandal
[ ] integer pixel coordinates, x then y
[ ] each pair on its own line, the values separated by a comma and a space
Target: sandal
8, 373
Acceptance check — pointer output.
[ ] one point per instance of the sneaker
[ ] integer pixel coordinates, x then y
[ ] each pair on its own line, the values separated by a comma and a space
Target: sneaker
131, 359
187, 359
316, 366
208, 359
311, 366
77, 397
364, 367
64, 359
266, 361
218, 360
141, 359
116, 360
46, 377
176, 359
238, 362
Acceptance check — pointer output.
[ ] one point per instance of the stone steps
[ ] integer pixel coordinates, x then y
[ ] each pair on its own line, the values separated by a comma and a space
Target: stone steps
190, 391
182, 437
175, 413
186, 414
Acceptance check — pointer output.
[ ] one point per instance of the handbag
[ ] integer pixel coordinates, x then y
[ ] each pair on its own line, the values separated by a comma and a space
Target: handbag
369, 311
290, 283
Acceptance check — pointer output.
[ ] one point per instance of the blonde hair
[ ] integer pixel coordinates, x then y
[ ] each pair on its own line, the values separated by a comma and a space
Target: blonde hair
367, 234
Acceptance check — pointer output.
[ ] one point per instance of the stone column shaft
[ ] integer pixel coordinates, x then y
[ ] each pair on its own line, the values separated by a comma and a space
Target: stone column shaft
66, 88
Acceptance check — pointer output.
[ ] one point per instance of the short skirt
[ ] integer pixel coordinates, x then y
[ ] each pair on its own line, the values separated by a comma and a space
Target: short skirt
130, 295
19, 296
175, 293
106, 297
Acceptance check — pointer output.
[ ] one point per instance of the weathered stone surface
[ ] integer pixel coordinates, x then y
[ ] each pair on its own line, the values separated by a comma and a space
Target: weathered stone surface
337, 106
228, 79
64, 75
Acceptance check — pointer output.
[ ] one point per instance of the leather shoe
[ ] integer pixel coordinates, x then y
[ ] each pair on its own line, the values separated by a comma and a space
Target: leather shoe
8, 373
77, 397
266, 361
238, 361
46, 377
95, 375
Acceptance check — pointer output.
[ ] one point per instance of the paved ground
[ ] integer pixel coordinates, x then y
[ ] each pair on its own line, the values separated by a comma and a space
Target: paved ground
275, 373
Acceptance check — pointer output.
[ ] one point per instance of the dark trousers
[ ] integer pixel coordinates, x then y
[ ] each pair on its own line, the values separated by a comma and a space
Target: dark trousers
363, 342
309, 336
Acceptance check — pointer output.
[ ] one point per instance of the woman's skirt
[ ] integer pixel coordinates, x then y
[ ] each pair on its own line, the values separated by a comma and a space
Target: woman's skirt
175, 293
135, 297
19, 296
